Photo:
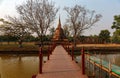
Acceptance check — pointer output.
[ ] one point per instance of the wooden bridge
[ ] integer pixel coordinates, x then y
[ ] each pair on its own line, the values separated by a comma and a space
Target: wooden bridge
60, 65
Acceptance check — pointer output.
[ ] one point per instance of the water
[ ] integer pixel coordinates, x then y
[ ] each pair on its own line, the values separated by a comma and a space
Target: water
13, 66
113, 58
24, 66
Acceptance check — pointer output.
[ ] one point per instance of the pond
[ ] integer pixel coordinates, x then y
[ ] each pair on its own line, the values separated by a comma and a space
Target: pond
24, 66
113, 58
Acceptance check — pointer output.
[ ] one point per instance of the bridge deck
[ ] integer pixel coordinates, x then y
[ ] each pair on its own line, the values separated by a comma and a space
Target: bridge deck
61, 65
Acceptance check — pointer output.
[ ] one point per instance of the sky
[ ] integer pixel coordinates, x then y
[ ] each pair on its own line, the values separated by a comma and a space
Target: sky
107, 8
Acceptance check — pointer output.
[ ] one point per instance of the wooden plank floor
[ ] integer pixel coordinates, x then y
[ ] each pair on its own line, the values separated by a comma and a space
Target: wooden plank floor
60, 65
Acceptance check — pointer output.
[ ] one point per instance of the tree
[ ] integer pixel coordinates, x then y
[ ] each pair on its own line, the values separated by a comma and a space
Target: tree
104, 36
38, 15
80, 19
116, 23
116, 36
6, 29
52, 30
15, 27
66, 31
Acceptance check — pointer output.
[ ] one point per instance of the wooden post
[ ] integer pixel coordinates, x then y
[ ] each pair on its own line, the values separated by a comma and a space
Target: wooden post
89, 63
72, 52
40, 60
83, 61
68, 50
94, 67
100, 65
110, 67
52, 47
34, 76
48, 51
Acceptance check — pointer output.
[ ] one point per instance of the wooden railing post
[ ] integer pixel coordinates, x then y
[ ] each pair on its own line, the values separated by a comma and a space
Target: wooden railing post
51, 48
40, 60
48, 51
68, 50
34, 76
72, 52
83, 61
67, 47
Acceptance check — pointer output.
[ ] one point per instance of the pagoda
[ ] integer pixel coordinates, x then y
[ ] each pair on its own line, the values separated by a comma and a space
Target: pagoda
59, 34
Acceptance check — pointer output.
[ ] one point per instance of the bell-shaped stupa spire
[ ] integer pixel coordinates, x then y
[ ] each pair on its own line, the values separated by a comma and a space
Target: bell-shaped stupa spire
59, 23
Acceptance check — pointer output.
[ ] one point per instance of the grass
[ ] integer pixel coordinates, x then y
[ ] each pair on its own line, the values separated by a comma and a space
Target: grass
98, 45
30, 46
15, 47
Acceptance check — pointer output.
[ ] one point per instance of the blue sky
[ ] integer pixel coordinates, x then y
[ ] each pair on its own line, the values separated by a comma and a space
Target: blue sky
108, 8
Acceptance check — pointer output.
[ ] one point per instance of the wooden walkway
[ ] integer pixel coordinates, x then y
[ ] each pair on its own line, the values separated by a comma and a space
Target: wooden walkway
61, 65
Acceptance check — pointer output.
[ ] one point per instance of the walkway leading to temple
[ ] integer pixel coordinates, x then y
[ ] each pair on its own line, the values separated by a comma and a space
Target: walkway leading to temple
61, 65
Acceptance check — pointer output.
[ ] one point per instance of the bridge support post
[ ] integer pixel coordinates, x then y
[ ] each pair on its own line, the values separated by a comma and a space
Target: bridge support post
40, 60
83, 61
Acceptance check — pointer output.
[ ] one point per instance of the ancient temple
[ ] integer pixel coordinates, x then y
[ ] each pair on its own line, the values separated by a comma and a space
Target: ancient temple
59, 34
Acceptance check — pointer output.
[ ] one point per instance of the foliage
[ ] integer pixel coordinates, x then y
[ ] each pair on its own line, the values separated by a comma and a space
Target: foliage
6, 28
28, 38
66, 30
116, 36
15, 27
116, 23
5, 38
52, 30
104, 36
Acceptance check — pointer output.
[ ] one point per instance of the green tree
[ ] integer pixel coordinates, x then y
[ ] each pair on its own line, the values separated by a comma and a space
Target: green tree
116, 36
52, 30
104, 36
116, 23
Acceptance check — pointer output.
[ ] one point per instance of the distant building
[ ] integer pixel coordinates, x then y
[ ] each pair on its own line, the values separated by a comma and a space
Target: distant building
59, 33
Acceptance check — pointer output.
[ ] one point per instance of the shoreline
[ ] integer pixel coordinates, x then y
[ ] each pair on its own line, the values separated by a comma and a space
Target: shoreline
98, 48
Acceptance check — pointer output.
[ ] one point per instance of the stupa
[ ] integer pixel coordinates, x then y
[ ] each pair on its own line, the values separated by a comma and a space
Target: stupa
59, 34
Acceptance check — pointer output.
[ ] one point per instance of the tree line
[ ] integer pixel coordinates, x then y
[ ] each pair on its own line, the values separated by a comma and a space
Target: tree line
103, 37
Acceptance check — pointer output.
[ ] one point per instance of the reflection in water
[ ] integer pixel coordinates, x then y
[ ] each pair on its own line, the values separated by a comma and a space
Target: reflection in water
18, 66
114, 58
95, 71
